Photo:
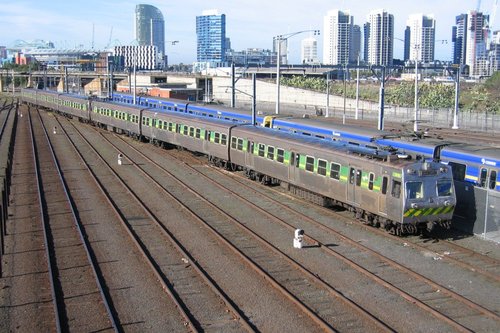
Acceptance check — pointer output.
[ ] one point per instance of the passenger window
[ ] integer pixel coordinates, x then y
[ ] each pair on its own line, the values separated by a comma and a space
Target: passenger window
223, 140
482, 181
240, 144
191, 131
310, 163
396, 188
217, 137
185, 129
233, 142
262, 150
322, 167
370, 181
415, 190
280, 155
198, 133
270, 152
335, 171
493, 179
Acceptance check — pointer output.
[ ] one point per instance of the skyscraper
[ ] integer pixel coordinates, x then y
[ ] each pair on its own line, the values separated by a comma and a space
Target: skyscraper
309, 51
470, 39
150, 27
476, 40
422, 32
337, 27
380, 37
355, 45
459, 36
211, 37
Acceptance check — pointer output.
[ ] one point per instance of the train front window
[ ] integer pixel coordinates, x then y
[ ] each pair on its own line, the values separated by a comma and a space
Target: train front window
444, 188
482, 181
414, 190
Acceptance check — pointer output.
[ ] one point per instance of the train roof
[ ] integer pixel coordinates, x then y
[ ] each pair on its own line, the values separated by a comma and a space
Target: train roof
320, 144
483, 155
191, 117
329, 128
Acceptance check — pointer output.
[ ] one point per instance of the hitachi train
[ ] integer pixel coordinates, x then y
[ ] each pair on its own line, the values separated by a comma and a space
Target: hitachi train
476, 168
403, 195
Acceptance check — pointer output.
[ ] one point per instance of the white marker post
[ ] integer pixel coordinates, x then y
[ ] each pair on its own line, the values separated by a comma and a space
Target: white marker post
299, 237
120, 157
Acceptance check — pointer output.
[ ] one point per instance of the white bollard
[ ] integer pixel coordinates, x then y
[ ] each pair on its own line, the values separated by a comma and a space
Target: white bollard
299, 237
120, 157
55, 130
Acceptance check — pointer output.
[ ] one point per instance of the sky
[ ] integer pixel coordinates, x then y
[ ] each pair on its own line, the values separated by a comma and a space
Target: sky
249, 23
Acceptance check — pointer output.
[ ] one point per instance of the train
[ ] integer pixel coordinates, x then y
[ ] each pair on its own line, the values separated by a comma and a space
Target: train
401, 194
476, 168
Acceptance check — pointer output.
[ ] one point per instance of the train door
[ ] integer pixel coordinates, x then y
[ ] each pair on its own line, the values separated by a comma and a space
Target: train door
354, 182
382, 201
293, 171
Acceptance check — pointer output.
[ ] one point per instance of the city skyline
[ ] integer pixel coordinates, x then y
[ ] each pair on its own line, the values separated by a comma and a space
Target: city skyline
247, 26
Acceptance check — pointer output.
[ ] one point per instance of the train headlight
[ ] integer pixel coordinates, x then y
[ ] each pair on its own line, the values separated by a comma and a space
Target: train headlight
447, 203
411, 171
414, 205
443, 169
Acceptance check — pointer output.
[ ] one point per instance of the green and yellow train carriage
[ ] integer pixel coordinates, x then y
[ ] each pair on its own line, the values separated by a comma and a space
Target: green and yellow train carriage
401, 194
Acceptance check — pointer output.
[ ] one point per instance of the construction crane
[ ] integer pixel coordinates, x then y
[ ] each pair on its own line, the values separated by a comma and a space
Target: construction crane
110, 38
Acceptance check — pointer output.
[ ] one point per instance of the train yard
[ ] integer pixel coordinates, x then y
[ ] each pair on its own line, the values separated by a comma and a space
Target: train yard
106, 233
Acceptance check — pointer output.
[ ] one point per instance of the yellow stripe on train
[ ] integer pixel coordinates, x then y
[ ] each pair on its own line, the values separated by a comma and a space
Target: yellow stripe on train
413, 212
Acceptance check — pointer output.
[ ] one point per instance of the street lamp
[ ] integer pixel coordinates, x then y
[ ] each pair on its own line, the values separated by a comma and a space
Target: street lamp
278, 40
415, 124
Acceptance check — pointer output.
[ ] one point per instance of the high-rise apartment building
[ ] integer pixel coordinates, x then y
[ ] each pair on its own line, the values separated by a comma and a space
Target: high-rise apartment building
309, 51
420, 37
338, 29
380, 37
476, 41
366, 38
150, 27
211, 37
470, 38
494, 53
355, 45
459, 36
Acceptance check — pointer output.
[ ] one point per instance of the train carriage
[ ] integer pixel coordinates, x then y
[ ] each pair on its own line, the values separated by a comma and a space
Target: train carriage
198, 134
379, 187
119, 118
47, 99
74, 105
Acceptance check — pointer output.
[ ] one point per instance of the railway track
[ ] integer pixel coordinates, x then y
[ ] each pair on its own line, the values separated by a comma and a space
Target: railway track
291, 279
200, 199
164, 261
453, 299
72, 267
